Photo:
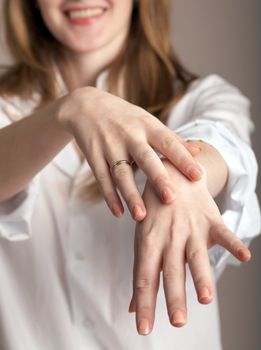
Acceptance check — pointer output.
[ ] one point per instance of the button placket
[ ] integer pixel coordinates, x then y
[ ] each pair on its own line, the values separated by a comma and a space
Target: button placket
76, 252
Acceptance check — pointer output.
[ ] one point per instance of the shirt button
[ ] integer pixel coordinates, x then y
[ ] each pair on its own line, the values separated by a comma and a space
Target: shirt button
79, 256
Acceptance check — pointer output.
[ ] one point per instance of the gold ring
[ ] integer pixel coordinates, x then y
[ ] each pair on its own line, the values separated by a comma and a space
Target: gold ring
119, 162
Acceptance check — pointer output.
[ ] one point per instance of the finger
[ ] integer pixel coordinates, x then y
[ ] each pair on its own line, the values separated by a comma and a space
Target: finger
226, 238
169, 145
174, 277
123, 177
149, 162
193, 149
132, 306
199, 264
96, 159
102, 174
146, 283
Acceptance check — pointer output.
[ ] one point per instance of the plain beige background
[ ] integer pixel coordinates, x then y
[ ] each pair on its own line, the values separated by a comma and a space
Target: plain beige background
222, 37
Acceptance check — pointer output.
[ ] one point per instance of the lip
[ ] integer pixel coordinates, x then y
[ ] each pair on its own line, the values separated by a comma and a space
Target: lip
84, 21
74, 7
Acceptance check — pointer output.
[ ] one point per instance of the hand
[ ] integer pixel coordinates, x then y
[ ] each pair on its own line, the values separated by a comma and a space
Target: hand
108, 129
169, 237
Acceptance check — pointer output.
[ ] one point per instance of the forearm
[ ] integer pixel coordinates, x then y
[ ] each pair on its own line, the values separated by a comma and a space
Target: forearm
214, 165
27, 146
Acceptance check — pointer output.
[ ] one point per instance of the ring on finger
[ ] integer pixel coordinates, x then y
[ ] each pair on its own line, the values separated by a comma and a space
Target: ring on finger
119, 162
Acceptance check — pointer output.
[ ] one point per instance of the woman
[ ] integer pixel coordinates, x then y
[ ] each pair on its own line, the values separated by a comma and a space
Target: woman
66, 263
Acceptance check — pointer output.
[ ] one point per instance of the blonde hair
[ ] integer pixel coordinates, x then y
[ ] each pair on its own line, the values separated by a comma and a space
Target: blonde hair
153, 76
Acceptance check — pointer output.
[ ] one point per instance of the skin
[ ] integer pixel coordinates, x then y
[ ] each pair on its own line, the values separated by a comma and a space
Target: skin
185, 236
105, 37
84, 114
182, 236
171, 236
88, 58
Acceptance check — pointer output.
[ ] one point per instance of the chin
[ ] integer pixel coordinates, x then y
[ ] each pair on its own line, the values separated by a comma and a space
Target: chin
83, 48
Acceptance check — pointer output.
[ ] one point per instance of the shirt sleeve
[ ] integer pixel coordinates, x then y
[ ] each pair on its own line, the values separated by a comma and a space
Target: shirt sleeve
16, 213
220, 116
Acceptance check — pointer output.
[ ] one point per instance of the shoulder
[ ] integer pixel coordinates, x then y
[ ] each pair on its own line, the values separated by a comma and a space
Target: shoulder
212, 86
15, 107
210, 93
213, 92
213, 99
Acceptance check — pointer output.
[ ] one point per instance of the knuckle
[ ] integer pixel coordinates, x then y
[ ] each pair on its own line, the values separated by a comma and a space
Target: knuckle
168, 142
222, 230
110, 197
172, 273
143, 284
143, 310
201, 281
148, 241
120, 172
79, 96
143, 114
145, 118
132, 199
145, 155
160, 180
136, 141
109, 141
176, 303
184, 162
219, 231
76, 94
235, 244
193, 255
149, 245
102, 176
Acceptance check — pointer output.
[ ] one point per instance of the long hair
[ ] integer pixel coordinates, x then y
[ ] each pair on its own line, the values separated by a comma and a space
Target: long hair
153, 76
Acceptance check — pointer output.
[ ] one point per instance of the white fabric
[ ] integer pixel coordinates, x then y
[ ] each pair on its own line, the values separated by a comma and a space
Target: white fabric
66, 265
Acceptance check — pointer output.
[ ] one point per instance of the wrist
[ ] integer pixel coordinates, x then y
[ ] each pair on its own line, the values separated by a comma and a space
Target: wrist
204, 171
62, 115
73, 106
213, 165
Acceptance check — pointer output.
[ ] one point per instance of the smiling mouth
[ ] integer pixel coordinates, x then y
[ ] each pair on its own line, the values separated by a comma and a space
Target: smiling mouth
87, 13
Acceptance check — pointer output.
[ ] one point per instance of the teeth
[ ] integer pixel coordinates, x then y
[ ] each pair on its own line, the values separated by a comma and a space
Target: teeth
86, 13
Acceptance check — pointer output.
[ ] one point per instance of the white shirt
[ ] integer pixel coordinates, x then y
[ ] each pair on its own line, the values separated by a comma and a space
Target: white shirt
66, 265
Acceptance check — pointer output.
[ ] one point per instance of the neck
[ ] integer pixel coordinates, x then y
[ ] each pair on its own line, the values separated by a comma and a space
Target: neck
84, 68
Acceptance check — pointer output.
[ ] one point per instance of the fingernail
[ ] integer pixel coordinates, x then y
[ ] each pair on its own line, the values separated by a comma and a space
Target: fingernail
244, 254
178, 318
138, 212
143, 327
117, 210
167, 195
204, 295
194, 149
194, 172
